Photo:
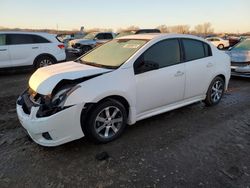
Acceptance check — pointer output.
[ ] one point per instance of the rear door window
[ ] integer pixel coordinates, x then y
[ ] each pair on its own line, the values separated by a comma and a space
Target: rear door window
194, 49
2, 39
39, 39
17, 39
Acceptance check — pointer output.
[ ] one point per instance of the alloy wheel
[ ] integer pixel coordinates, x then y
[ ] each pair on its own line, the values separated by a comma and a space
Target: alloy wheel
217, 91
108, 122
45, 63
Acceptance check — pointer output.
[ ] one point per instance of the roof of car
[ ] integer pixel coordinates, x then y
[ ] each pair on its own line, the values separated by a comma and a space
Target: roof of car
24, 32
152, 36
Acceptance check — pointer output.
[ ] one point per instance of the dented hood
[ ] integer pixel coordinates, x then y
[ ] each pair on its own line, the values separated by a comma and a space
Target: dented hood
44, 80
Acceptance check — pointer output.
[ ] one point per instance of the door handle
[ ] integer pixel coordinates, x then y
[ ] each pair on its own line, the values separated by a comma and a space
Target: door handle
2, 50
209, 65
179, 73
35, 47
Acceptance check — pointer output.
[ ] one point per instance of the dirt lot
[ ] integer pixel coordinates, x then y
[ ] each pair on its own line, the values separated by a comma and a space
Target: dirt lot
194, 146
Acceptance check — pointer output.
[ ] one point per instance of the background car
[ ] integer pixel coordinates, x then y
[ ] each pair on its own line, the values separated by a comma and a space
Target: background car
101, 92
218, 42
233, 40
91, 40
18, 49
139, 31
240, 59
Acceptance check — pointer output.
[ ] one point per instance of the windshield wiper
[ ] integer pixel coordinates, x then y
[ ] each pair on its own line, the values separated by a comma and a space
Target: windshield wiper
95, 64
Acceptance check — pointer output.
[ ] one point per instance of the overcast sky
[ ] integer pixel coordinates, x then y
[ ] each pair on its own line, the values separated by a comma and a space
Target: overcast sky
224, 15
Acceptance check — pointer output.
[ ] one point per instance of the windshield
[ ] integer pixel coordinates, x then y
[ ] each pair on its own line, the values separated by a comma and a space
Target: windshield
113, 54
90, 36
245, 45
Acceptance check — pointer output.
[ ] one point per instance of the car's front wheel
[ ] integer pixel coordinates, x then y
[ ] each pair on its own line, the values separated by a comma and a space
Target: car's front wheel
215, 91
106, 121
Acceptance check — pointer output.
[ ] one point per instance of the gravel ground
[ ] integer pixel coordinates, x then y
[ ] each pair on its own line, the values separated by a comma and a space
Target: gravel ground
194, 146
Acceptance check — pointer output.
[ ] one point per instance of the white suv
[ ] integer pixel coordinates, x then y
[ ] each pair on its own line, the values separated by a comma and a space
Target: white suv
19, 49
121, 82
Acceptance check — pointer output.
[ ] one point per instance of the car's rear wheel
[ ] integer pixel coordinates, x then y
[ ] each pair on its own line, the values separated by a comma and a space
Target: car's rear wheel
215, 91
221, 46
44, 61
106, 121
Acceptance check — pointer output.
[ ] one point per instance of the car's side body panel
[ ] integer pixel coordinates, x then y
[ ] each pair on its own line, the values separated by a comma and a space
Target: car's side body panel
147, 94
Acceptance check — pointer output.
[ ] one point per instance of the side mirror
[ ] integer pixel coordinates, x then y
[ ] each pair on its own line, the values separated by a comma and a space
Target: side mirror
151, 65
146, 66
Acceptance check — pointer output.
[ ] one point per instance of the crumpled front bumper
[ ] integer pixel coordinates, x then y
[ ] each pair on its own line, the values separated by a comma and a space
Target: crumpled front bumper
54, 130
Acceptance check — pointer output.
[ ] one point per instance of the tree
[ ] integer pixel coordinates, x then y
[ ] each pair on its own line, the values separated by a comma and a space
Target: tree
163, 28
130, 28
205, 28
183, 29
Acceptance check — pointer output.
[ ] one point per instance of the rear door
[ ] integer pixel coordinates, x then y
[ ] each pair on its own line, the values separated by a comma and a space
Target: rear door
199, 67
4, 52
23, 49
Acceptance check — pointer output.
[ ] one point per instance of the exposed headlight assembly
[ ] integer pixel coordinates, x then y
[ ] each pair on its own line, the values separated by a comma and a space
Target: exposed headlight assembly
56, 102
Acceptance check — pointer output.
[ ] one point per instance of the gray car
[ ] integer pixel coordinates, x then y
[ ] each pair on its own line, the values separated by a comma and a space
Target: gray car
90, 41
240, 59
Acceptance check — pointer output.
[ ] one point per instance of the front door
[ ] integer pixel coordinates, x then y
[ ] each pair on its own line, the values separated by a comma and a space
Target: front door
160, 76
4, 52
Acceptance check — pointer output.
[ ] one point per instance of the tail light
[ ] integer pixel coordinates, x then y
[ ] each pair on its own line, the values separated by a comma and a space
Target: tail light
61, 46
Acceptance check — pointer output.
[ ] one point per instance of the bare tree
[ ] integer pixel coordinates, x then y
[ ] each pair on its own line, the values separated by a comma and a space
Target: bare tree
205, 28
163, 28
183, 29
130, 28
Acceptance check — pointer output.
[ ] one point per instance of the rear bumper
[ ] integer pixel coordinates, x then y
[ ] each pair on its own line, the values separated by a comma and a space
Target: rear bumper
61, 57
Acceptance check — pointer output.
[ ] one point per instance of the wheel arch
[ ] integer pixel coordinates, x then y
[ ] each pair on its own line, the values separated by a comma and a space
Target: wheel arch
43, 55
118, 98
88, 107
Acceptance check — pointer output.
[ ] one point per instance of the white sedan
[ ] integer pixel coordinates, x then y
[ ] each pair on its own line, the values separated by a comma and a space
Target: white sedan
121, 82
219, 42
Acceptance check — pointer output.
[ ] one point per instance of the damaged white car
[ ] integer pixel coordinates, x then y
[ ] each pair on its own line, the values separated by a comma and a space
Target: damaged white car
240, 59
121, 82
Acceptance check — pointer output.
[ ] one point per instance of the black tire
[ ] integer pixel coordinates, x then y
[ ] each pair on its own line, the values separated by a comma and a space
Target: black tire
43, 61
95, 121
215, 92
220, 47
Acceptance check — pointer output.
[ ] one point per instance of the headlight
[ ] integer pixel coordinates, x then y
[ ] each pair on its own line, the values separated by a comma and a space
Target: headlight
59, 99
56, 103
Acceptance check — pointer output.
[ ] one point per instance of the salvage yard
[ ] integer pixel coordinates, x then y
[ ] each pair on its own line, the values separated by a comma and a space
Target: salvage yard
194, 146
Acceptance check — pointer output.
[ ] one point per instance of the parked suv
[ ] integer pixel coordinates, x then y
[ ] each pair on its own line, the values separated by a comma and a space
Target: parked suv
121, 82
81, 46
19, 49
